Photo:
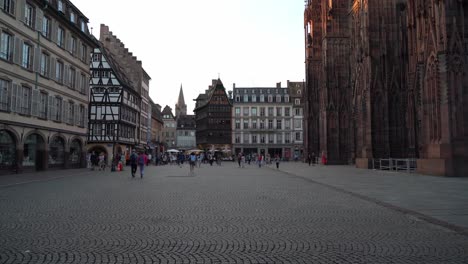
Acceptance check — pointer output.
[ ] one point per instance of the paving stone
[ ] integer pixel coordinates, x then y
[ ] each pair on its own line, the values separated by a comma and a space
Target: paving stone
222, 215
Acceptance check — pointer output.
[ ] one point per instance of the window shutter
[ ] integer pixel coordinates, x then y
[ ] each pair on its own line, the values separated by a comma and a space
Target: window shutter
78, 48
13, 7
53, 31
77, 115
39, 16
14, 93
22, 6
18, 49
19, 99
78, 81
66, 70
52, 68
66, 42
35, 103
37, 60
65, 111
85, 117
53, 108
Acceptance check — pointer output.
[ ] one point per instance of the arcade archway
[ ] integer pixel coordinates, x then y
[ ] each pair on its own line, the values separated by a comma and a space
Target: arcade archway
7, 151
34, 152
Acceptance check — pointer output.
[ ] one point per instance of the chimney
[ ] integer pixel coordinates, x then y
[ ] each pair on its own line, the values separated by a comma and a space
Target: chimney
278, 85
234, 86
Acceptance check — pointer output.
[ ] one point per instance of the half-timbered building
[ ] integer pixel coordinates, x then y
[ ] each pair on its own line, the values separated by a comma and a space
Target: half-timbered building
114, 107
213, 118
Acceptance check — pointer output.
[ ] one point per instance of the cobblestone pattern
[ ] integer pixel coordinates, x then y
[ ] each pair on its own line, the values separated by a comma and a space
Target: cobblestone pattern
222, 215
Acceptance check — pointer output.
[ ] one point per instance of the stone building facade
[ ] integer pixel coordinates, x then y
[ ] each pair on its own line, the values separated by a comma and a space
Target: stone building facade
44, 79
170, 127
186, 129
268, 121
157, 125
401, 72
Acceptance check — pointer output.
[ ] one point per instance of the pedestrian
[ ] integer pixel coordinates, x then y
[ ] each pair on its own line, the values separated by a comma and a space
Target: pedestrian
324, 158
133, 162
199, 160
149, 159
142, 161
243, 160
260, 161
277, 161
309, 158
102, 158
88, 160
239, 159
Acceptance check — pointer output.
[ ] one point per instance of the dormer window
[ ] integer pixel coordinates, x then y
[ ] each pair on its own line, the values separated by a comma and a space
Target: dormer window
60, 6
83, 26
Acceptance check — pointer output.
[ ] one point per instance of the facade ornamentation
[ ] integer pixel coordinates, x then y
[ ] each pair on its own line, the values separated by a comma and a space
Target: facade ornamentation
44, 73
401, 73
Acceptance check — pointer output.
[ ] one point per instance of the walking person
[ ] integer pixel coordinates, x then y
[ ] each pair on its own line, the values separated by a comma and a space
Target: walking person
309, 159
142, 161
199, 160
192, 160
324, 158
150, 157
239, 159
102, 161
133, 162
277, 161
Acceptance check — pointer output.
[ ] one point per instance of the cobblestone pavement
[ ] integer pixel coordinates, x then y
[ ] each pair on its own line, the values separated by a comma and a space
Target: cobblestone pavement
441, 198
221, 215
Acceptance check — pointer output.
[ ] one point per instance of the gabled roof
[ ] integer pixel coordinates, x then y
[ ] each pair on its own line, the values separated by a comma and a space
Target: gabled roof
203, 99
167, 111
116, 67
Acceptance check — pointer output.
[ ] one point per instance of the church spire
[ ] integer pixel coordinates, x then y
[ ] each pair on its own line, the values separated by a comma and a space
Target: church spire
181, 107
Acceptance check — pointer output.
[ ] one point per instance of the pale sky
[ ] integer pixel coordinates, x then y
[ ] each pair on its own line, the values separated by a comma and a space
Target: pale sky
253, 43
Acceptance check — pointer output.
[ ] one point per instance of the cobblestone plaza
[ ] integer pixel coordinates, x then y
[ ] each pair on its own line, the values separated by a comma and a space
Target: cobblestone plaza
223, 214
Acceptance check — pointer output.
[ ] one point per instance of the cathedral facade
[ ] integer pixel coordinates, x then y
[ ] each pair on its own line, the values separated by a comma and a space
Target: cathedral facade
388, 79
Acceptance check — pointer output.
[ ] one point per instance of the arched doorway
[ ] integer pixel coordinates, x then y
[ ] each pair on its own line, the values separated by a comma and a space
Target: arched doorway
97, 150
57, 153
75, 154
34, 152
7, 151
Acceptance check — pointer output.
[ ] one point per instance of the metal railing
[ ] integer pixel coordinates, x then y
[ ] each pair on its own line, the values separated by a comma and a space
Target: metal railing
408, 165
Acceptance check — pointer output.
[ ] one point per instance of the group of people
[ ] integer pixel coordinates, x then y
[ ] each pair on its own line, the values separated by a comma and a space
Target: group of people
260, 160
96, 161
312, 159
